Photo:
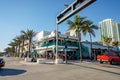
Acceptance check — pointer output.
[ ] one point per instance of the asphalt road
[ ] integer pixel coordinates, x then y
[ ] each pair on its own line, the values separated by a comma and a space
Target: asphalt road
15, 70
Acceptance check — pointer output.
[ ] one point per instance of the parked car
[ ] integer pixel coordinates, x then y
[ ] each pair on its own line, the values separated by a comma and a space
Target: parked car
110, 57
2, 62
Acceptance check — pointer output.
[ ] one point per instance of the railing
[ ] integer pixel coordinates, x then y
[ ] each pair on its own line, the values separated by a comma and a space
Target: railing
72, 44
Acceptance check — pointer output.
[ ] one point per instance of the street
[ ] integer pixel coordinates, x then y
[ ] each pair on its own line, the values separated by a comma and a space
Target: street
15, 70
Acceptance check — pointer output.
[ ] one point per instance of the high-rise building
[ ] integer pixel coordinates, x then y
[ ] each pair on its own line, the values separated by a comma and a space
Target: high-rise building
110, 28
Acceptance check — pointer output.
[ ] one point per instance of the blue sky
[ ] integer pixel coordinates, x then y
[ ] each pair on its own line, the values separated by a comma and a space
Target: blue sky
17, 15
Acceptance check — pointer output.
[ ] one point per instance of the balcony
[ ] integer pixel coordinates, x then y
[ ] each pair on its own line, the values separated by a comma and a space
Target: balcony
64, 43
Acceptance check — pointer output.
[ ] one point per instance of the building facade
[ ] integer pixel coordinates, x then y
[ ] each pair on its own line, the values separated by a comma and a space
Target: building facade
110, 28
46, 45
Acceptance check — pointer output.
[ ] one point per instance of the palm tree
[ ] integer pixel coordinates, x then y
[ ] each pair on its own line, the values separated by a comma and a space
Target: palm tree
9, 50
19, 43
89, 28
107, 40
13, 45
116, 44
77, 25
16, 46
29, 34
23, 38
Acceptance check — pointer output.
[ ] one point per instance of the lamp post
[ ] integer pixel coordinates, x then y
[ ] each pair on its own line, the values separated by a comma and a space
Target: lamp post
56, 40
65, 54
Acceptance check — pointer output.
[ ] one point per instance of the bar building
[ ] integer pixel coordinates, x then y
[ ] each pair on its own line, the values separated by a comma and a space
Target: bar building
45, 44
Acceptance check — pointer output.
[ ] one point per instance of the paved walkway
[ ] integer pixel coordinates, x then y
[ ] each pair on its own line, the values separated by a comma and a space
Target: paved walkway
85, 64
98, 67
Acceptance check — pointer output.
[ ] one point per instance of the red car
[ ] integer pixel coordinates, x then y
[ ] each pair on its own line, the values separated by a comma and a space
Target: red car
110, 57
2, 62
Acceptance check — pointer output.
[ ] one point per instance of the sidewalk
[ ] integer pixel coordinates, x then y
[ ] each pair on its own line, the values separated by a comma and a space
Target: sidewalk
88, 64
85, 64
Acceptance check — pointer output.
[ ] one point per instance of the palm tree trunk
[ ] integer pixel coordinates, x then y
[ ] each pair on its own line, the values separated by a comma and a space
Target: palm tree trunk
80, 46
19, 51
22, 46
16, 52
30, 40
90, 46
13, 47
13, 50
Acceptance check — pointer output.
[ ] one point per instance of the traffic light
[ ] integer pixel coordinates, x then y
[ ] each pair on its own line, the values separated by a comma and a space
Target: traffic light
59, 17
72, 9
80, 1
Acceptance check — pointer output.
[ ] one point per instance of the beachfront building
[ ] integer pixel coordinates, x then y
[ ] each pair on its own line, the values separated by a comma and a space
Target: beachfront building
46, 45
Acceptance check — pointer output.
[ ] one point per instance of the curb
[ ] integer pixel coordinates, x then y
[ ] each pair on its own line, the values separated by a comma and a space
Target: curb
28, 63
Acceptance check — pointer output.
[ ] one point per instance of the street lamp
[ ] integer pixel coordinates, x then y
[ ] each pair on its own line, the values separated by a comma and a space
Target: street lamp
66, 54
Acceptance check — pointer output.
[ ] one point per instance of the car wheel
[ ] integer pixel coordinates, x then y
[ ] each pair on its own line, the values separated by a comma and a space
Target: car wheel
101, 62
112, 62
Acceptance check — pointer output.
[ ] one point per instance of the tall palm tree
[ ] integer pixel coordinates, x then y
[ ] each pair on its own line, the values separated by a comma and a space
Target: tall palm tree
19, 43
77, 25
29, 35
16, 46
106, 40
23, 38
89, 28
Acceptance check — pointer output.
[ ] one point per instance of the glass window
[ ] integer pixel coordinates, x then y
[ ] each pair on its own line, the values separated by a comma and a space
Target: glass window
109, 54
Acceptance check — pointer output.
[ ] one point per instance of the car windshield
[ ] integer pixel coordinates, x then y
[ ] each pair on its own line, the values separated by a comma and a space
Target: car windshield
116, 54
109, 54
